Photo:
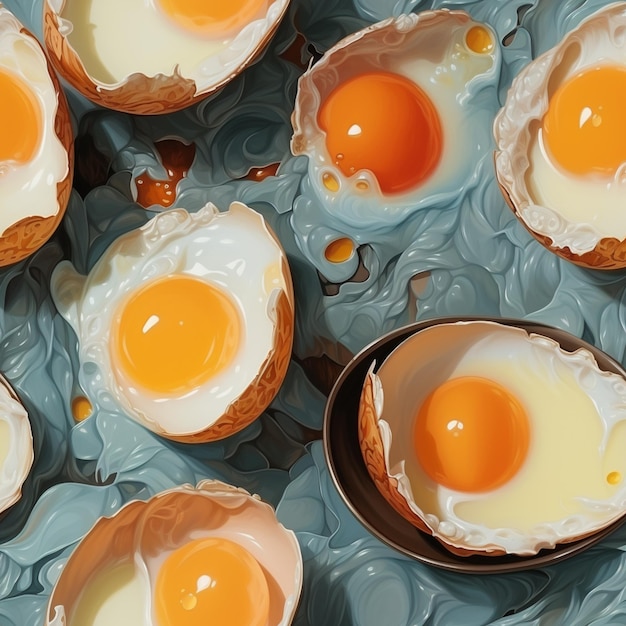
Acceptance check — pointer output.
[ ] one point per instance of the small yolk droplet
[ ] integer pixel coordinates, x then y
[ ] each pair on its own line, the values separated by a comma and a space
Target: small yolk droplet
211, 581
339, 250
614, 478
585, 126
261, 173
21, 125
176, 333
217, 17
176, 158
81, 408
384, 123
471, 434
479, 40
330, 182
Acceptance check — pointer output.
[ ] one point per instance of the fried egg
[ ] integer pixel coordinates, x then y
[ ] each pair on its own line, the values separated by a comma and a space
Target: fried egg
187, 557
384, 116
35, 144
16, 446
155, 56
185, 324
495, 440
560, 160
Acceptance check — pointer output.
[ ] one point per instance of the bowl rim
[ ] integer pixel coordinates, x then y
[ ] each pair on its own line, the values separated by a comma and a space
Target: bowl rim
348, 472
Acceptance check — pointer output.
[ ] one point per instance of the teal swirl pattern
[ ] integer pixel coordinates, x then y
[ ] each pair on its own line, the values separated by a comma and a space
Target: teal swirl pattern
463, 257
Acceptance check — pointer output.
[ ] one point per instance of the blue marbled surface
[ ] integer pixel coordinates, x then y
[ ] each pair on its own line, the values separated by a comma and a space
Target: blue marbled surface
475, 257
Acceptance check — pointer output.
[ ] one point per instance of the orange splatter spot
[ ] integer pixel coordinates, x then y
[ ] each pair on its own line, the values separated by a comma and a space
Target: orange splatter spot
81, 408
261, 173
176, 158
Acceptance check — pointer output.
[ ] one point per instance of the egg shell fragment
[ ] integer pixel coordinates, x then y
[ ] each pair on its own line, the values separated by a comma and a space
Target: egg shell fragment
516, 126
33, 225
162, 92
145, 532
391, 475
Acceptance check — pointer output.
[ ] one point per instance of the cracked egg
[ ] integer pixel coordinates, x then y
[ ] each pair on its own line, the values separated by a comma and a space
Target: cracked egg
560, 160
155, 56
185, 324
496, 441
16, 446
384, 116
36, 144
185, 557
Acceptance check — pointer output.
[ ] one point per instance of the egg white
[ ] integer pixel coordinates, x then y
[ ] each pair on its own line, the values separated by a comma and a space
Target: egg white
577, 423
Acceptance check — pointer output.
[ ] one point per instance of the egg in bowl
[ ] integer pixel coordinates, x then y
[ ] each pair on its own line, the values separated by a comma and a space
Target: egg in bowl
544, 468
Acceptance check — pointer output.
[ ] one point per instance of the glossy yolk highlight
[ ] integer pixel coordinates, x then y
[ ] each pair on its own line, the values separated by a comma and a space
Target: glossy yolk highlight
176, 333
471, 434
215, 17
211, 581
22, 129
585, 125
384, 123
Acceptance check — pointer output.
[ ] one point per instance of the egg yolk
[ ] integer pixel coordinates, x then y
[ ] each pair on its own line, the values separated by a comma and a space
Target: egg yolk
585, 126
175, 333
81, 408
211, 581
216, 17
471, 434
20, 113
386, 124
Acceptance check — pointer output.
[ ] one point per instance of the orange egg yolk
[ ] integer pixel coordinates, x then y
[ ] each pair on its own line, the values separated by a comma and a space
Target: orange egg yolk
216, 17
21, 124
175, 333
386, 124
471, 434
585, 125
211, 581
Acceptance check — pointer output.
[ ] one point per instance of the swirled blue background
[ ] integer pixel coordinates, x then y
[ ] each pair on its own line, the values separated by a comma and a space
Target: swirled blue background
474, 259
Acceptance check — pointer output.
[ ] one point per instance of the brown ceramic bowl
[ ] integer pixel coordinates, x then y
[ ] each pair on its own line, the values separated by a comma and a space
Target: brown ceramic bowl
343, 454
